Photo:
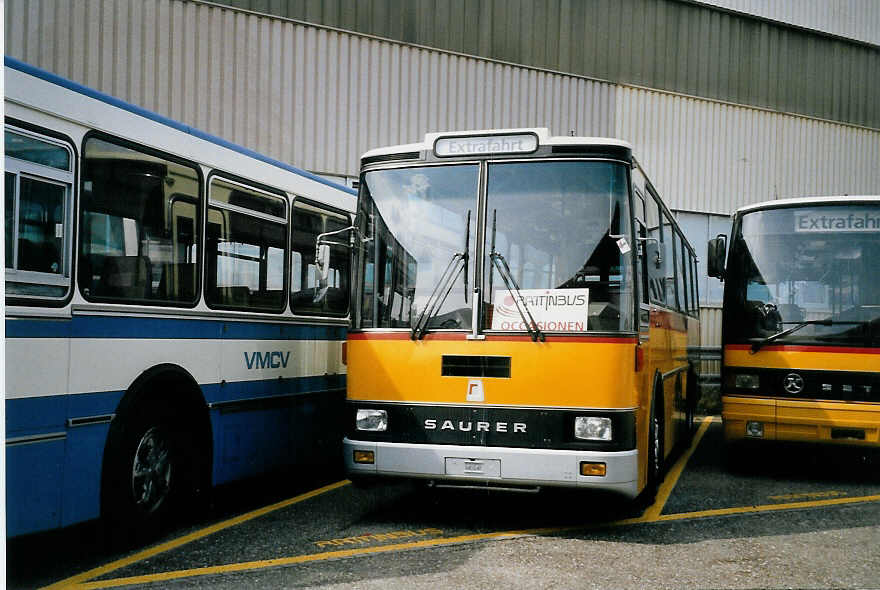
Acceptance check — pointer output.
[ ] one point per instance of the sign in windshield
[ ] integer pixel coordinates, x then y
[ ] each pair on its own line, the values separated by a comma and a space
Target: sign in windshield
554, 310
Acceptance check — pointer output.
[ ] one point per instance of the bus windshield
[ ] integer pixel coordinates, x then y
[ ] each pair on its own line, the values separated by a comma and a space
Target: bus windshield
418, 221
557, 237
563, 230
805, 276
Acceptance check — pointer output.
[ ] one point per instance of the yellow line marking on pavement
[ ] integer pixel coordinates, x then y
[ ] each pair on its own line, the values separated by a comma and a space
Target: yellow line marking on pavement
430, 543
253, 565
651, 515
767, 508
194, 536
653, 511
648, 516
808, 495
368, 538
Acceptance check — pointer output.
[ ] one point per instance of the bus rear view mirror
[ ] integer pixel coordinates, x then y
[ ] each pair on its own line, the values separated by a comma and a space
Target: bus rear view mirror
322, 261
716, 255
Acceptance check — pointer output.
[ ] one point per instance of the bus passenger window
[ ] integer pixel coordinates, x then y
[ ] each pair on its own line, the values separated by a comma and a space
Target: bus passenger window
670, 241
682, 275
38, 178
138, 243
245, 244
654, 257
306, 298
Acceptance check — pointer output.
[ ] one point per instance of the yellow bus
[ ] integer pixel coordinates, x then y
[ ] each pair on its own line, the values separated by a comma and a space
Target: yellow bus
522, 311
801, 322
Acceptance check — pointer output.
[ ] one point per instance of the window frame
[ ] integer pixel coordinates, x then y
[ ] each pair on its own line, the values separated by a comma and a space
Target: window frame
199, 221
325, 209
695, 286
653, 200
257, 187
51, 175
685, 278
671, 266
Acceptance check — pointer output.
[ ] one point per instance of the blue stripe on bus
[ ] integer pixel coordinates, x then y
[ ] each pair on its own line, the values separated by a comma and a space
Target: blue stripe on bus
84, 326
116, 102
48, 414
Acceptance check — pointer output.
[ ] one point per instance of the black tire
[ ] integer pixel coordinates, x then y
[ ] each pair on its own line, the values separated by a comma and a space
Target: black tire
655, 451
147, 473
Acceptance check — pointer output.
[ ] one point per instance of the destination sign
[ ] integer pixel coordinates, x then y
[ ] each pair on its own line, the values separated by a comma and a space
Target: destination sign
837, 220
524, 143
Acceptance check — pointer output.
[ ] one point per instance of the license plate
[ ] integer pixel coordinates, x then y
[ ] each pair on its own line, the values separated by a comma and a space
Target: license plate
473, 467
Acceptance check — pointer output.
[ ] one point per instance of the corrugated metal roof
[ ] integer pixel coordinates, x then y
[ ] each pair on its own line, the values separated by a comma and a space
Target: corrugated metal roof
854, 19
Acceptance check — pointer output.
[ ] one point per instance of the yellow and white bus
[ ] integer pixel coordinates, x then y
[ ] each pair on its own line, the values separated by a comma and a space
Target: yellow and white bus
801, 321
522, 311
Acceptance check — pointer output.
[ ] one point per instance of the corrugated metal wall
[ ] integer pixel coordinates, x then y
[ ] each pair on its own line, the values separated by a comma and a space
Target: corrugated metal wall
314, 97
714, 157
668, 44
854, 19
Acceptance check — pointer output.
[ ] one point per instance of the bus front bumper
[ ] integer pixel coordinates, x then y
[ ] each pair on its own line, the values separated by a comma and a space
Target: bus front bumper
495, 466
850, 423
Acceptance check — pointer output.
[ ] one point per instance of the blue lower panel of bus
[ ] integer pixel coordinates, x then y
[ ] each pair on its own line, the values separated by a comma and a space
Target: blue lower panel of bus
53, 472
53, 469
263, 432
34, 486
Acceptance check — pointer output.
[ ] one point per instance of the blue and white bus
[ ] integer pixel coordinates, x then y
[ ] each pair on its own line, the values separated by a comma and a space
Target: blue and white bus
164, 332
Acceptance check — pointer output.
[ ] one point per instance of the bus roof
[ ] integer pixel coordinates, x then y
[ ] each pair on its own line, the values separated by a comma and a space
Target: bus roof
23, 67
542, 133
808, 201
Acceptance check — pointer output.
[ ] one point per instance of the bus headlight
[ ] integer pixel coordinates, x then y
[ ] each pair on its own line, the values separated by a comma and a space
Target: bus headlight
372, 420
592, 428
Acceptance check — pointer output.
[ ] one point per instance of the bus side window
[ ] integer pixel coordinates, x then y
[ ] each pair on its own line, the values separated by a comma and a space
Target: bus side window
682, 275
670, 243
245, 250
653, 251
139, 240
641, 236
309, 221
38, 180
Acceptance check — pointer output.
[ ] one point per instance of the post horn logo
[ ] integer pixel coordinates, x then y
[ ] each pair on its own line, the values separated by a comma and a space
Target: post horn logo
793, 383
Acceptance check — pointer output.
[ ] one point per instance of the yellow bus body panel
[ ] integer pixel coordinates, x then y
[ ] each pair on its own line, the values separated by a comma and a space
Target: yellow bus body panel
788, 419
550, 374
803, 360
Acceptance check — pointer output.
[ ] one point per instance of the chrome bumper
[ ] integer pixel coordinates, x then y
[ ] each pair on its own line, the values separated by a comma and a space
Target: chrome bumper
520, 467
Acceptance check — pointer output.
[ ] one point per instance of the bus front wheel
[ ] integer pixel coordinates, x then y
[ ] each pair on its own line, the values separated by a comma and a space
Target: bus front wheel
655, 452
145, 473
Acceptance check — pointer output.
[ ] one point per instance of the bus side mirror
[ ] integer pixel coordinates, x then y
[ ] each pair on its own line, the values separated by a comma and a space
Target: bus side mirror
716, 255
322, 261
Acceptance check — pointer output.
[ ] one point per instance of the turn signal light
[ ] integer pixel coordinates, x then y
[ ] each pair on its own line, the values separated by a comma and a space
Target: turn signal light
364, 457
594, 469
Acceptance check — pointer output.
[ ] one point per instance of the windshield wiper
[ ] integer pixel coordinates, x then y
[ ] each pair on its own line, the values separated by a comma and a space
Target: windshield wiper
826, 322
512, 288
457, 264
